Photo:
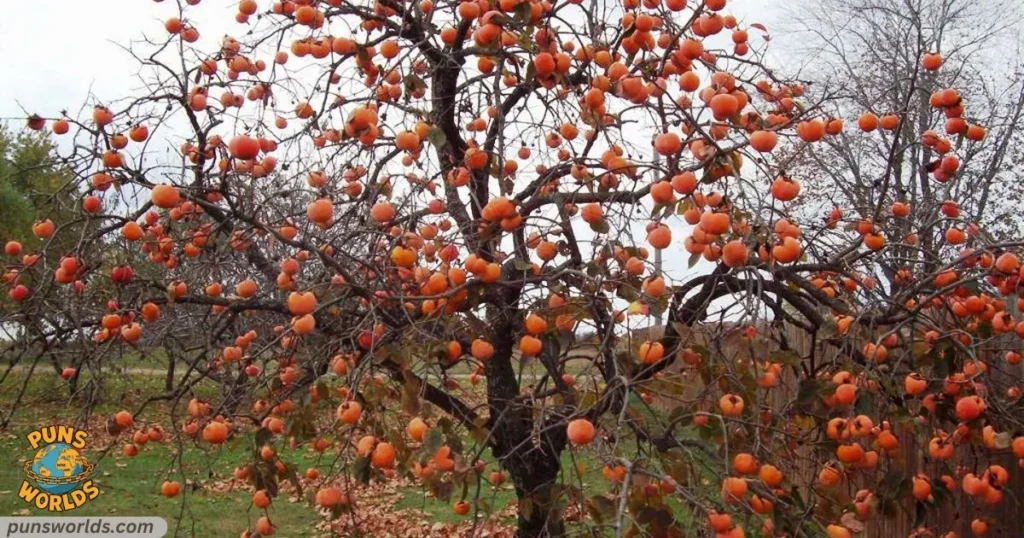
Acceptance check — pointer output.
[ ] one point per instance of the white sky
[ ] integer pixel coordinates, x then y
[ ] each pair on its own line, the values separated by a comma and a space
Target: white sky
56, 51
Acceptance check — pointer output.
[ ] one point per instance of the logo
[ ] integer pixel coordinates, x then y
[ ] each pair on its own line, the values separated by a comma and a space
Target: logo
58, 475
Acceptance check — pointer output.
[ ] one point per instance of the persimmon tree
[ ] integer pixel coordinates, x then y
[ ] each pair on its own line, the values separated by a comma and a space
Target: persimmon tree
384, 223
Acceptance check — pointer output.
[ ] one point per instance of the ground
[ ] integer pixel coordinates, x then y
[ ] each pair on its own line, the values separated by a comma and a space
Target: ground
213, 502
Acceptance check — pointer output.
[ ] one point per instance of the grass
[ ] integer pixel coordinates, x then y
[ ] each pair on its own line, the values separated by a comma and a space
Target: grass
130, 486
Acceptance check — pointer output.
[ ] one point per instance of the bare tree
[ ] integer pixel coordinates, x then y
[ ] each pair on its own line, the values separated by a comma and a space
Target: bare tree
866, 55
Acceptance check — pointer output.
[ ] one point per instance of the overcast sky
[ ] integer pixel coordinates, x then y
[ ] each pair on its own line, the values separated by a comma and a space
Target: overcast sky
57, 51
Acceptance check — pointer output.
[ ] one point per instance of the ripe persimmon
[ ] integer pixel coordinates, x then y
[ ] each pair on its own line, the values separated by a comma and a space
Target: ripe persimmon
785, 189
320, 211
170, 488
592, 213
244, 147
383, 456
581, 432
931, 61
660, 237
417, 428
734, 253
837, 531
102, 116
867, 122
246, 288
724, 106
770, 475
481, 349
733, 489
668, 144
535, 324
407, 141
651, 352
349, 412
123, 420
301, 303
264, 527
215, 433
382, 212
763, 141
731, 405
744, 463
304, 324
969, 408
260, 499
530, 346
715, 223
829, 476
461, 508
165, 196
719, 522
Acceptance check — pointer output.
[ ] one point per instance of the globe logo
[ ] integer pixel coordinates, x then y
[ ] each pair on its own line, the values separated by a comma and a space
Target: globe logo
58, 468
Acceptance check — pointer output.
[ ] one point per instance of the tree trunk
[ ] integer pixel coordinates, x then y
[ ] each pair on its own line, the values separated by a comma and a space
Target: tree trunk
534, 477
531, 458
169, 378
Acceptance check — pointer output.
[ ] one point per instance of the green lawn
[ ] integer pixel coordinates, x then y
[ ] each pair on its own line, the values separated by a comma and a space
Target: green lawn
130, 486
211, 503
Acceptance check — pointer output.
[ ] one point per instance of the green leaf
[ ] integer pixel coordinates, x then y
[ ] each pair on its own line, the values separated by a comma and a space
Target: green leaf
940, 368
523, 13
442, 489
807, 393
787, 357
659, 305
600, 226
520, 264
684, 205
657, 210
531, 74
865, 404
627, 292
437, 137
895, 485
413, 83
432, 441
588, 400
694, 258
920, 513
293, 477
737, 161
1003, 440
850, 521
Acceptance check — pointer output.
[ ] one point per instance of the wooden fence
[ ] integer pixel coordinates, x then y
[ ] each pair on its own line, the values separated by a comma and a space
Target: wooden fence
953, 513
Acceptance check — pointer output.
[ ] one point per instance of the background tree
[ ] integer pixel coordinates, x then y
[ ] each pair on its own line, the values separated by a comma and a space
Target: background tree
374, 208
34, 187
867, 56
32, 184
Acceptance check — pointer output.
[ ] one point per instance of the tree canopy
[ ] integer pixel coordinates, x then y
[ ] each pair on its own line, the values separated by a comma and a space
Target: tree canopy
380, 227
